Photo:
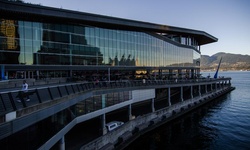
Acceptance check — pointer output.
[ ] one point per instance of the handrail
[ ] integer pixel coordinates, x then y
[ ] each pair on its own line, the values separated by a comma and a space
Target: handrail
9, 103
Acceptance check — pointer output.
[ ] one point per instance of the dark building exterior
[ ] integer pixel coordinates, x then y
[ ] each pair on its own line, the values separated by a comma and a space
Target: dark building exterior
61, 43
40, 42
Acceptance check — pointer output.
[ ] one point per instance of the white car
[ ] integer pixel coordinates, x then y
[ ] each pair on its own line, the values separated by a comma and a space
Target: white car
113, 124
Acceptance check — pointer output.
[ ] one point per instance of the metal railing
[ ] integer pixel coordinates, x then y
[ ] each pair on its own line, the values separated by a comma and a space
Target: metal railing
13, 100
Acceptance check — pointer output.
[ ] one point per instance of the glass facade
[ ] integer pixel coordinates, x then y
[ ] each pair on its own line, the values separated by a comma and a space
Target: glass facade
31, 43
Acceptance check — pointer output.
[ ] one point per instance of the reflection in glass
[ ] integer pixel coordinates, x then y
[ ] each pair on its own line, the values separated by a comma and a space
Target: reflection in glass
9, 44
47, 43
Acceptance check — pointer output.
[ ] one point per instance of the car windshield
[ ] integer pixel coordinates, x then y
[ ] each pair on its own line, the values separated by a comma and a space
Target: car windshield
112, 126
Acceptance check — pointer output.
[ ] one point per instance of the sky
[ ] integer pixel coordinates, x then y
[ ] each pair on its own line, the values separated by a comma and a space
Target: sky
227, 20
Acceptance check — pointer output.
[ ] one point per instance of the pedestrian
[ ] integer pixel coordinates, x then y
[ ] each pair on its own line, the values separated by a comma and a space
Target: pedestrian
96, 82
24, 92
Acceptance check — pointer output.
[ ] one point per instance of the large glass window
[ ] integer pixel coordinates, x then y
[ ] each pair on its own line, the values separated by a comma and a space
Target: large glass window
196, 59
47, 43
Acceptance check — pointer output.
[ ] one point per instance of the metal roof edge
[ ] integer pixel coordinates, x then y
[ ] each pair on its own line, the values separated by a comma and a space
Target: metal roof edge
77, 15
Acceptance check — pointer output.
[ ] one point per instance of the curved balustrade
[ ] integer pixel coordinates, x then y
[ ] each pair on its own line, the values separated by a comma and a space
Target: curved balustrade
9, 99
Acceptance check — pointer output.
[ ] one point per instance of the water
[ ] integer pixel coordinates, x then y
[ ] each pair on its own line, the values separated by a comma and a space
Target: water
223, 124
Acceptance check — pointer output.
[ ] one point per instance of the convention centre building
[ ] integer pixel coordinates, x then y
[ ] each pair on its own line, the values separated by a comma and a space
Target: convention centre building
44, 42
95, 82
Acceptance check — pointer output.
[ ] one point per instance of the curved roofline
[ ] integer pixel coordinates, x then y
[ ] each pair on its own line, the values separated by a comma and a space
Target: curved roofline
31, 11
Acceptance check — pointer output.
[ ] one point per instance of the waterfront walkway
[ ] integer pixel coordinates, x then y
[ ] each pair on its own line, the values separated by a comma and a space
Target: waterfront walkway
48, 92
130, 131
47, 100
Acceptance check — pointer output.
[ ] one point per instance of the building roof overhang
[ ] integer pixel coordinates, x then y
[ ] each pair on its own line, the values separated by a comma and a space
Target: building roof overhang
47, 14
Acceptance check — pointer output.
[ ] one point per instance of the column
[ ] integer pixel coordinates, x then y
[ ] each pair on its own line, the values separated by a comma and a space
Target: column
130, 112
37, 74
70, 50
7, 75
71, 73
28, 74
169, 97
215, 86
153, 104
70, 55
192, 73
109, 74
206, 88
191, 93
103, 101
170, 74
211, 87
25, 72
160, 74
60, 118
62, 144
148, 73
2, 72
179, 74
182, 93
32, 74
103, 122
200, 90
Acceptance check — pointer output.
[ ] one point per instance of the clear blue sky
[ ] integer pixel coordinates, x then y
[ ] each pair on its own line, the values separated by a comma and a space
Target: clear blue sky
228, 20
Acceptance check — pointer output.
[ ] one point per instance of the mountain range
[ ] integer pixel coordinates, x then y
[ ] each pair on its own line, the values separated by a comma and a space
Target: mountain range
228, 62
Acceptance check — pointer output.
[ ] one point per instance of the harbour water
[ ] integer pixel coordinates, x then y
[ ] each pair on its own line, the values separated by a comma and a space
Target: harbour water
223, 124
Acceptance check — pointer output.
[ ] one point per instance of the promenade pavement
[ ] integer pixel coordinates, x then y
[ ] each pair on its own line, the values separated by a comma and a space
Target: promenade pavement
32, 87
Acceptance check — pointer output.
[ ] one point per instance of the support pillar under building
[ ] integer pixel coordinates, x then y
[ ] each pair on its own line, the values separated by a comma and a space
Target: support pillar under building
130, 112
103, 122
169, 97
153, 104
182, 93
191, 93
7, 75
2, 72
200, 90
62, 143
103, 101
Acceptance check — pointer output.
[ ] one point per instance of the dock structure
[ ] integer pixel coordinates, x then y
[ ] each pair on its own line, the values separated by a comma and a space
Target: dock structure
85, 70
68, 105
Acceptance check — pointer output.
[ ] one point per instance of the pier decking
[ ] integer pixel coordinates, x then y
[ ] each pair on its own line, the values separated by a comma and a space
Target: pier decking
180, 96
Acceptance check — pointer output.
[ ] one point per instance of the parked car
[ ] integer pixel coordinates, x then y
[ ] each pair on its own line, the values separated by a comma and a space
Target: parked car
113, 125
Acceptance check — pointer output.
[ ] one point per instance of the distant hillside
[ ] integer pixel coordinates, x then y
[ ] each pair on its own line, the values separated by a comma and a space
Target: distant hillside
229, 61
